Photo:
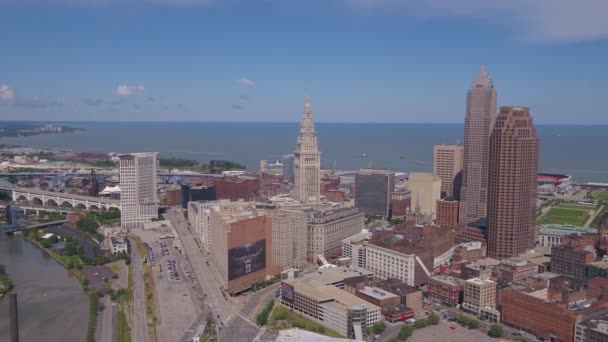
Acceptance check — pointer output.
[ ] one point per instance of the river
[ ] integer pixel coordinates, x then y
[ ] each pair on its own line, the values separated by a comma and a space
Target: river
52, 304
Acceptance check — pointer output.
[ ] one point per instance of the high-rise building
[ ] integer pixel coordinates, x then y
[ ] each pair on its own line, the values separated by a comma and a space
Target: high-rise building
373, 191
479, 119
327, 229
480, 298
138, 197
447, 162
512, 183
93, 184
288, 161
426, 191
447, 213
289, 233
307, 160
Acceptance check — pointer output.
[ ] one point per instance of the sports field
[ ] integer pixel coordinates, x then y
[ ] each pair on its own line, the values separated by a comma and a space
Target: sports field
570, 213
599, 195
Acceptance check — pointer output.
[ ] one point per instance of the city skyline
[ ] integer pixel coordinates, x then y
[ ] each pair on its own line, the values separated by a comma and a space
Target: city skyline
359, 62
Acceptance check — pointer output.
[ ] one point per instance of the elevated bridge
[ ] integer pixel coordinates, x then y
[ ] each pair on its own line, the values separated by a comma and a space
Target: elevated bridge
14, 227
38, 197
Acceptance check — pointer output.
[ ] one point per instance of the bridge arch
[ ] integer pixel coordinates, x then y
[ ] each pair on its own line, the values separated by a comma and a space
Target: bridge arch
80, 206
37, 201
51, 203
66, 204
93, 207
21, 198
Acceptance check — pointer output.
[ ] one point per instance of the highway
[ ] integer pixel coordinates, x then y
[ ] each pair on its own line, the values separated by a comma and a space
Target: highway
139, 329
264, 295
233, 327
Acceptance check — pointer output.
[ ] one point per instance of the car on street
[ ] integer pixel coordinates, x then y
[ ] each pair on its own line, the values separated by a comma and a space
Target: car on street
410, 320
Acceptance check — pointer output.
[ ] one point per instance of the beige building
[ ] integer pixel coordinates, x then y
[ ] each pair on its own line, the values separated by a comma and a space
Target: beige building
327, 229
289, 233
480, 298
138, 196
447, 162
426, 190
199, 217
307, 162
330, 306
240, 242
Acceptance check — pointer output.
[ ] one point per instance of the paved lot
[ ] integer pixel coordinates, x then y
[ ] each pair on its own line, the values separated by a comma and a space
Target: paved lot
443, 333
176, 304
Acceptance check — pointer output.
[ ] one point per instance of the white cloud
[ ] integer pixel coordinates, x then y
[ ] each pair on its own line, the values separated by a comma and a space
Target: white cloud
246, 82
6, 93
127, 90
536, 20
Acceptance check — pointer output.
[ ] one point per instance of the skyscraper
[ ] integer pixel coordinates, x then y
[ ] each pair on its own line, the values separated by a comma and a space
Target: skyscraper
307, 162
374, 190
479, 119
138, 198
426, 190
512, 183
288, 161
447, 162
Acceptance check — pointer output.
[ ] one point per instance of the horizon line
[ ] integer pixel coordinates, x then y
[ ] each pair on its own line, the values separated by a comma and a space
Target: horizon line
286, 122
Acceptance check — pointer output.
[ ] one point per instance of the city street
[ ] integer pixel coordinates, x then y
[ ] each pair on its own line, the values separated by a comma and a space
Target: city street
139, 329
253, 304
232, 327
106, 322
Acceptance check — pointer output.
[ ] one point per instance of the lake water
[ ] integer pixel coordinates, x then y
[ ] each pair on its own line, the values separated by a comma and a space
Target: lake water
580, 151
52, 305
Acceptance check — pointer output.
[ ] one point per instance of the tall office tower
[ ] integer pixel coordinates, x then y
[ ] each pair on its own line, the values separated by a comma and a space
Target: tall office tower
138, 198
288, 161
289, 231
447, 162
93, 184
512, 183
373, 191
480, 115
307, 162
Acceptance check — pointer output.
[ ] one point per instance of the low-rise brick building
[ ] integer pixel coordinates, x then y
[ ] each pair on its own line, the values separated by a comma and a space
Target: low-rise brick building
446, 289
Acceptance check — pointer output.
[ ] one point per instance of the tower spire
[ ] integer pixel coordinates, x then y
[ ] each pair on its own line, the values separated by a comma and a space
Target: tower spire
483, 78
307, 126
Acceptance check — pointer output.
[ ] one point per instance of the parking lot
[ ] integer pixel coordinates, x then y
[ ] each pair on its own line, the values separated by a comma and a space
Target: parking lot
448, 331
178, 304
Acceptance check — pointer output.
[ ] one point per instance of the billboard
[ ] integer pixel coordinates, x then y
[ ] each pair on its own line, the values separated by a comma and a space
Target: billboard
246, 259
287, 292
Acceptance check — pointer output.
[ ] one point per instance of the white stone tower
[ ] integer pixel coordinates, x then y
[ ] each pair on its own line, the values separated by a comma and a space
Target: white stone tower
307, 163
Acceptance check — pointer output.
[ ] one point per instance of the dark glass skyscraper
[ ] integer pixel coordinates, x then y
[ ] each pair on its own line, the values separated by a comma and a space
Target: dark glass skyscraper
480, 115
512, 183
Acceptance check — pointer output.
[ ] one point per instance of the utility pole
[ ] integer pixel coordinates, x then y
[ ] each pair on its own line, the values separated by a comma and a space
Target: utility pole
14, 317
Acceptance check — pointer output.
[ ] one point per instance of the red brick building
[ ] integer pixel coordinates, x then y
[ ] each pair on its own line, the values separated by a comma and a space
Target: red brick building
234, 188
447, 213
446, 289
401, 203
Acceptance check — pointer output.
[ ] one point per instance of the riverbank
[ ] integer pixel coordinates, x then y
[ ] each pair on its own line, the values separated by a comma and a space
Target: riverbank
6, 284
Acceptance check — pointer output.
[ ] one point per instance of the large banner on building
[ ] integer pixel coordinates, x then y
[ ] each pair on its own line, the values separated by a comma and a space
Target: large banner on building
287, 292
246, 259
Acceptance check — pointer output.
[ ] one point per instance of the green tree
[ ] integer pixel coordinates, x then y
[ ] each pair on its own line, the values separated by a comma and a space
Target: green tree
405, 332
378, 328
434, 318
495, 331
474, 324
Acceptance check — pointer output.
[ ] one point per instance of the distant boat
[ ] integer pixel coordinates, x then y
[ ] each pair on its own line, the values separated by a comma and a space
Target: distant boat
421, 162
403, 156
362, 155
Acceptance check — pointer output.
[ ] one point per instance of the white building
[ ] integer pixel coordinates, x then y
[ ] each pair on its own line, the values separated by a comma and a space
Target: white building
386, 263
307, 160
118, 245
138, 196
354, 248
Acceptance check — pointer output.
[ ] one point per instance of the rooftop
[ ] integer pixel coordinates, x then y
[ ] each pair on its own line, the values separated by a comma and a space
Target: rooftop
377, 293
545, 276
564, 229
446, 279
336, 274
396, 286
357, 238
480, 281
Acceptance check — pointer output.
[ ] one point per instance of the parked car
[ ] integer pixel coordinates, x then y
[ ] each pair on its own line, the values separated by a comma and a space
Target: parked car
410, 320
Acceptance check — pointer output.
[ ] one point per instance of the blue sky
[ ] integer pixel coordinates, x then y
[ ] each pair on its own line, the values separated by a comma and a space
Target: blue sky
358, 60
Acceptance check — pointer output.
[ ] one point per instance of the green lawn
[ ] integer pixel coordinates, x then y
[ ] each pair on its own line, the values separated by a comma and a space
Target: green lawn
283, 318
575, 206
599, 195
560, 215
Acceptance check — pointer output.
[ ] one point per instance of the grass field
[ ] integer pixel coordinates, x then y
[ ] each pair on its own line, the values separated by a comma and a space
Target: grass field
565, 215
283, 318
599, 195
